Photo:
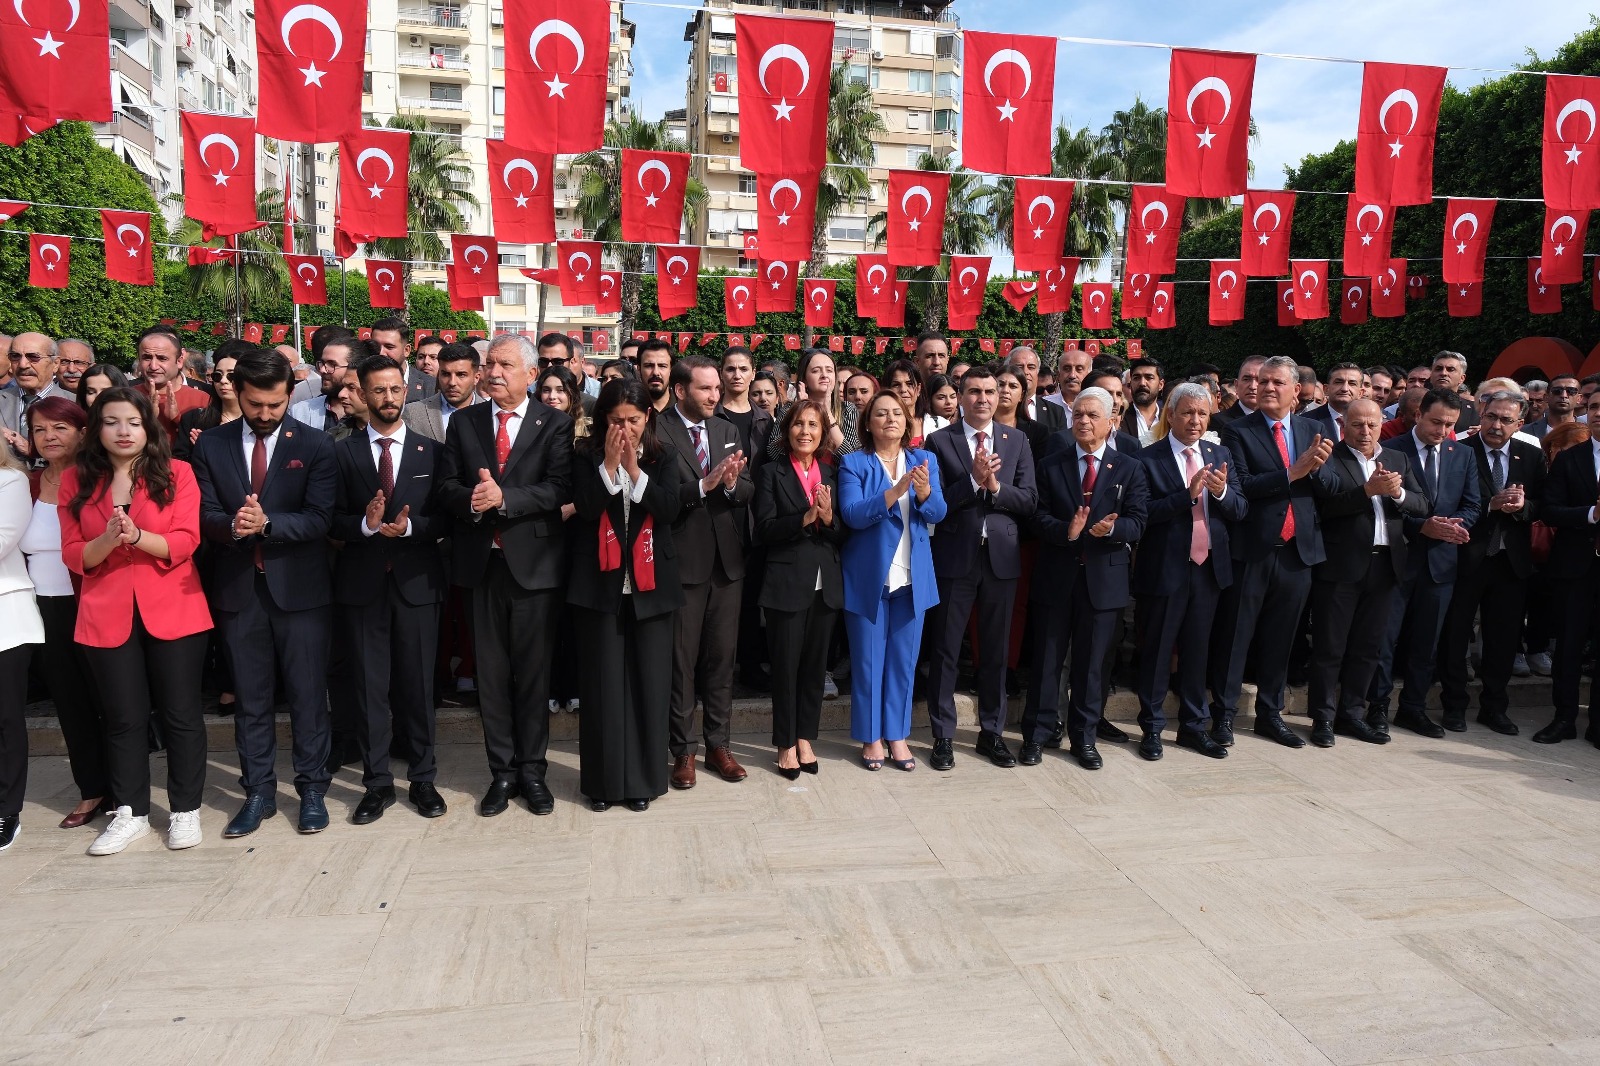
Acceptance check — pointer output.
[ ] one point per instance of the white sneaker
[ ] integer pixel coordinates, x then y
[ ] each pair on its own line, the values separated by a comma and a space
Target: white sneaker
184, 832
123, 830
1539, 663
830, 691
1519, 666
555, 707
572, 706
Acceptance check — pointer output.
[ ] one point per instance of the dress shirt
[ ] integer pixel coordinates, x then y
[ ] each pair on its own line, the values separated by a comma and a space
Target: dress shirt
1288, 434
446, 410
249, 438
972, 446
1147, 430
1337, 420
315, 411
1380, 528
399, 446
705, 440
1178, 450
514, 426
900, 564
1422, 461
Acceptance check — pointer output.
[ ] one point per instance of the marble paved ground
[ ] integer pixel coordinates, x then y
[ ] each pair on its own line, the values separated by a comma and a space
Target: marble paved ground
1429, 902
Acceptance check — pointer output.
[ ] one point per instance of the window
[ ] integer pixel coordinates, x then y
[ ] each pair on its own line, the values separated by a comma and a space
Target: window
366, 82
449, 129
919, 81
499, 58
916, 121
848, 228
513, 293
856, 74
724, 65
510, 327
322, 179
914, 155
949, 46
499, 133
443, 92
944, 122
369, 42
921, 42
499, 100
851, 39
747, 184
322, 205
513, 259
947, 85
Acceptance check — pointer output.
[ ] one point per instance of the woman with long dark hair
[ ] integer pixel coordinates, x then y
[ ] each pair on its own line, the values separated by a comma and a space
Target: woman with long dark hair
557, 387
224, 407
624, 589
130, 522
98, 379
817, 380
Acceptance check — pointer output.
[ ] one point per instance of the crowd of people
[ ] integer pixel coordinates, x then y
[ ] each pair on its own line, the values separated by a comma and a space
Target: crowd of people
510, 524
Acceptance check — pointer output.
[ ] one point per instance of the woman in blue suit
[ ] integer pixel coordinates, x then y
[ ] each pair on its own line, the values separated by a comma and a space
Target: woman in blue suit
889, 496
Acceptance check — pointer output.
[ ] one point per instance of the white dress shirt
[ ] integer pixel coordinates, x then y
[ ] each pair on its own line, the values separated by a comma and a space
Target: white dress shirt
250, 444
900, 563
1147, 430
514, 426
1179, 450
1380, 527
399, 445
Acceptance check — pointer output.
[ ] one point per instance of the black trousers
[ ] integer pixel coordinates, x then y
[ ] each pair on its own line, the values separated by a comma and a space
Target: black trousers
947, 623
798, 642
1578, 613
13, 728
66, 672
626, 705
1272, 597
1181, 621
512, 632
1415, 622
752, 631
704, 640
1073, 633
1491, 584
392, 643
1352, 622
132, 676
265, 643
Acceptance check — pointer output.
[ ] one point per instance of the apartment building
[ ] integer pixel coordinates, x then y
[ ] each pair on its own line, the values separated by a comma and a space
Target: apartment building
908, 53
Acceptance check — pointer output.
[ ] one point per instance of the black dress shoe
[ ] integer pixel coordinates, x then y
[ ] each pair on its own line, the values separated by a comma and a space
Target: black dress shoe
1378, 720
1273, 729
1418, 722
1455, 721
599, 806
426, 799
994, 746
1497, 721
540, 800
498, 798
1203, 742
1322, 733
1104, 730
1359, 730
944, 754
1560, 728
1088, 757
639, 805
1030, 754
257, 807
372, 805
811, 767
1150, 747
1057, 736
1221, 731
313, 814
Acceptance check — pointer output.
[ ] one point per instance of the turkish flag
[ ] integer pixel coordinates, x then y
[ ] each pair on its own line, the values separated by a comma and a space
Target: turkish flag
459, 300
55, 62
1007, 102
1544, 297
253, 332
1571, 166
200, 255
915, 226
578, 270
385, 283
677, 278
1353, 304
522, 194
1208, 122
1394, 141
15, 128
1388, 290
310, 59
775, 285
1286, 315
609, 301
49, 260
219, 163
543, 275
1416, 286
374, 189
1163, 307
557, 54
786, 212
1227, 292
784, 66
279, 334
738, 301
874, 279
1565, 233
1019, 294
819, 302
1137, 292
653, 186
1041, 209
1310, 288
1155, 219
1055, 286
1465, 299
969, 275
892, 314
10, 209
1097, 305
345, 244
128, 253
1466, 238
1368, 233
477, 262
308, 277
1264, 245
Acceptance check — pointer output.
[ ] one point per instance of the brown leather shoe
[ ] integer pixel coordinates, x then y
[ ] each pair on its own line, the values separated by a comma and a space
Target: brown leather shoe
683, 771
722, 761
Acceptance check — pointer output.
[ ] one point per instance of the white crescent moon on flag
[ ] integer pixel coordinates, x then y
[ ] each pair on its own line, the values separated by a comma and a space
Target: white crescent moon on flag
218, 138
1016, 59
607, 282
961, 278
917, 192
466, 253
1355, 294
1137, 284
1028, 286
783, 183
137, 232
561, 29
1394, 279
56, 248
778, 264
656, 164
316, 14
737, 289
1399, 96
303, 267
1573, 107
1158, 302
1227, 274
1288, 297
819, 295
1538, 272
377, 275
877, 268
1210, 85
1315, 281
1466, 216
1361, 214
1565, 220
375, 153
72, 3
1277, 216
515, 165
1154, 205
1096, 298
793, 55
678, 259
1048, 202
587, 262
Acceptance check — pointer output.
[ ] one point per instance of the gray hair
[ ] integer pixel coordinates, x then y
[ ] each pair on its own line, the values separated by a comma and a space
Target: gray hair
1097, 394
1282, 362
76, 340
1536, 383
1189, 390
530, 354
1508, 396
1010, 361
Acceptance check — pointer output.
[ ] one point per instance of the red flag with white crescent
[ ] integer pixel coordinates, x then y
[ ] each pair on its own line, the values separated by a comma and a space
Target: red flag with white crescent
609, 302
1394, 141
969, 276
784, 67
374, 187
786, 211
1368, 233
459, 300
1286, 315
1155, 219
874, 279
819, 302
49, 260
578, 270
1019, 294
1353, 301
892, 313
1055, 286
129, 257
1264, 245
1227, 292
1544, 296
522, 194
55, 61
915, 218
1466, 238
477, 262
10, 209
1565, 233
1465, 299
1041, 210
219, 164
558, 53
1007, 102
310, 59
200, 255
1097, 305
1208, 122
653, 185
1137, 292
1571, 142
1388, 290
15, 128
1310, 277
385, 283
307, 278
775, 285
738, 301
677, 278
1163, 307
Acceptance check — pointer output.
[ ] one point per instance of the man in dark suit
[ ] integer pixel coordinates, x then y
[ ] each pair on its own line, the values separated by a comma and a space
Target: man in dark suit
1449, 477
1245, 387
267, 489
506, 471
986, 472
1448, 373
1184, 563
1494, 567
1145, 385
1025, 362
388, 584
709, 536
1278, 455
393, 338
1572, 506
1343, 388
1091, 509
1363, 502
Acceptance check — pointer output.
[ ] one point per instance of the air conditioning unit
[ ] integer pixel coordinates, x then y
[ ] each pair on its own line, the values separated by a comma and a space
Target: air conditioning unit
877, 53
414, 41
727, 138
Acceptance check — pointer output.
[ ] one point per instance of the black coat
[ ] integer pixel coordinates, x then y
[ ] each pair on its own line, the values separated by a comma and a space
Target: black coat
1266, 484
1569, 495
796, 553
601, 590
1348, 520
1526, 468
1162, 567
1120, 486
415, 563
707, 528
968, 511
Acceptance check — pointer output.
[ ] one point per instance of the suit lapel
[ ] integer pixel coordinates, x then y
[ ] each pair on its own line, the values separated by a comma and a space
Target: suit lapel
533, 425
235, 450
361, 452
1263, 432
288, 440
671, 423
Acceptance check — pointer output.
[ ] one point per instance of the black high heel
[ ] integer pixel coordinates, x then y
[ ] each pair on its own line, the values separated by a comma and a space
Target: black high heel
809, 767
791, 772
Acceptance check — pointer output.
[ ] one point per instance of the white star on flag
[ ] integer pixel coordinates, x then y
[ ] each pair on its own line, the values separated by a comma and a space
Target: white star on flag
221, 178
521, 200
650, 199
1206, 137
1461, 248
783, 107
557, 87
1265, 238
477, 270
1560, 248
1150, 237
1394, 149
313, 75
48, 45
1038, 233
1007, 112
1572, 153
914, 225
132, 252
376, 191
783, 220
1366, 239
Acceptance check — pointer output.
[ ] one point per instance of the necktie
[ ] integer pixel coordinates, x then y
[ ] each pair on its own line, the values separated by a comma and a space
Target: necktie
502, 440
258, 478
1200, 538
982, 436
1338, 427
1088, 477
386, 468
701, 456
1497, 474
1430, 470
1287, 533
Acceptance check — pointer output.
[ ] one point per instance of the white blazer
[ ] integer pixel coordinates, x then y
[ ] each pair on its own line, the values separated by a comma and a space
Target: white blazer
19, 614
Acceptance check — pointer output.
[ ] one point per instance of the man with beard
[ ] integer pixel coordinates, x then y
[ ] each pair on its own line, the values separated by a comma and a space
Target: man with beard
393, 338
1145, 384
1244, 391
457, 373
655, 367
932, 355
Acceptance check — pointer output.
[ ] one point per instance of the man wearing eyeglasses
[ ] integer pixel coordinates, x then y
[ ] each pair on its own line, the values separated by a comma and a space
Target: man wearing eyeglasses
1560, 406
330, 347
34, 358
160, 363
73, 357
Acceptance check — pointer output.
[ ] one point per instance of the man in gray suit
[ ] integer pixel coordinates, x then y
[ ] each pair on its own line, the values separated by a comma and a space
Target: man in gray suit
459, 369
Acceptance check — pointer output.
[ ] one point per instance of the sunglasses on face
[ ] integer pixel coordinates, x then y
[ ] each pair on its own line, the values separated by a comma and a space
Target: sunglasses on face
1563, 390
29, 357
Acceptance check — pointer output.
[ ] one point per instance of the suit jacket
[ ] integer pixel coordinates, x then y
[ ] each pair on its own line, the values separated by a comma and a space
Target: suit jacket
1229, 414
1347, 516
1456, 497
968, 511
422, 416
1120, 486
1052, 416
755, 446
315, 412
1162, 566
877, 528
1266, 484
601, 590
414, 561
1325, 414
298, 496
711, 527
796, 554
537, 480
420, 386
1062, 440
1526, 468
1569, 494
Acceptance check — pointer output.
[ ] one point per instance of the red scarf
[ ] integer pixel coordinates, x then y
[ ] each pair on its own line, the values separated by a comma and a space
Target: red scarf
644, 552
810, 480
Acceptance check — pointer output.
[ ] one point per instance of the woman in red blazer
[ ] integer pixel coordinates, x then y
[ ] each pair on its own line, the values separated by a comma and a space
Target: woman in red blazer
130, 522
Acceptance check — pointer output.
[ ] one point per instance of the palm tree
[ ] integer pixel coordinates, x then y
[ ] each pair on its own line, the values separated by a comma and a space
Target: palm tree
600, 199
969, 227
439, 185
1138, 137
258, 275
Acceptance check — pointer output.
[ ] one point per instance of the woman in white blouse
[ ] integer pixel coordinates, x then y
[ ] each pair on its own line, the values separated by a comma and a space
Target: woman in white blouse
20, 629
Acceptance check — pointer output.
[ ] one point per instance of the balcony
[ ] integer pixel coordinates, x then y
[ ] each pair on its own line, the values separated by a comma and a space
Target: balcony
425, 105
435, 67
440, 18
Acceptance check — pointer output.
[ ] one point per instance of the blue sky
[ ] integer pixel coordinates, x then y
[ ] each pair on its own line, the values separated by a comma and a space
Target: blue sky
1299, 107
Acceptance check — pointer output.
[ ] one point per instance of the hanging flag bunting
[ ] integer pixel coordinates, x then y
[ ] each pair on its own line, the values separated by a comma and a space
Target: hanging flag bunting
738, 301
609, 302
1264, 245
819, 302
578, 271
219, 164
775, 285
1007, 102
310, 59
1353, 303
459, 300
1097, 305
1466, 238
522, 194
557, 56
653, 188
1227, 292
1055, 286
1163, 307
1416, 287
1155, 219
49, 260
915, 218
1394, 142
308, 278
129, 257
1310, 288
15, 128
1565, 233
1571, 143
1388, 291
677, 278
200, 255
386, 283
55, 62
10, 209
1137, 292
1208, 122
1544, 296
874, 280
374, 187
969, 276
477, 262
1368, 233
1019, 294
786, 209
1465, 299
784, 64
1286, 315
1041, 210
